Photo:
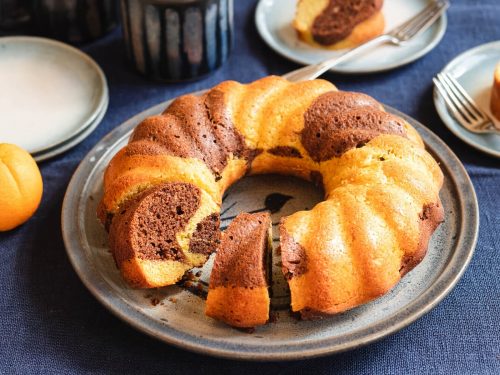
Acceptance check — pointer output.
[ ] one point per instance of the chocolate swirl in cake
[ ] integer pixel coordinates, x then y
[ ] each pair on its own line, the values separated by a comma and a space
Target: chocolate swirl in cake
431, 216
294, 260
340, 17
206, 237
338, 121
193, 127
147, 226
285, 151
240, 254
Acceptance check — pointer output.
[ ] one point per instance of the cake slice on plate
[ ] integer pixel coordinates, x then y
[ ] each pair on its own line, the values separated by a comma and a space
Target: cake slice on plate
338, 24
238, 293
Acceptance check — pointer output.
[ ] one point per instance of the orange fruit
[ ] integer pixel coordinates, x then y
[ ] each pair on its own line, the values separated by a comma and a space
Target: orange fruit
21, 186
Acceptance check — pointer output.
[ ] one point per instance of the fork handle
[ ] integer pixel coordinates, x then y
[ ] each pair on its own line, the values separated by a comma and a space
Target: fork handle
314, 71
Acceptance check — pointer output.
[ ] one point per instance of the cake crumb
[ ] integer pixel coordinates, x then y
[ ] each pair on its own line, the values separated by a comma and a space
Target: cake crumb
273, 317
249, 330
295, 315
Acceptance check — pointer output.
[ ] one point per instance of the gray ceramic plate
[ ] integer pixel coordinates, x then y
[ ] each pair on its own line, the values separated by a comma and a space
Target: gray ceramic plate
74, 140
273, 19
474, 70
175, 314
42, 119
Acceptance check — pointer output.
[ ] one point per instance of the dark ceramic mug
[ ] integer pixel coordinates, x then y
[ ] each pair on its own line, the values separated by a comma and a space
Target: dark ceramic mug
13, 13
175, 40
75, 21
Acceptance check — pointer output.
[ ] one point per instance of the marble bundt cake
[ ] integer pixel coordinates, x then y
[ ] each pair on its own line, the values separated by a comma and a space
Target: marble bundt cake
163, 191
338, 24
238, 291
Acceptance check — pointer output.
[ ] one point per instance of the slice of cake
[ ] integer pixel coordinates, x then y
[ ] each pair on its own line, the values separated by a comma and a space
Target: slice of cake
495, 94
238, 293
338, 24
163, 232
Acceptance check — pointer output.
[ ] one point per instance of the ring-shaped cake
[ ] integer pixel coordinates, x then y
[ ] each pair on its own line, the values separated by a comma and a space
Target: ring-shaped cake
163, 191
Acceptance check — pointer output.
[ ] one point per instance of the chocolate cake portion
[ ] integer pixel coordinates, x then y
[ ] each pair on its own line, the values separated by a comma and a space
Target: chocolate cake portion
206, 237
431, 216
242, 255
339, 18
146, 227
285, 151
333, 124
293, 255
335, 101
193, 127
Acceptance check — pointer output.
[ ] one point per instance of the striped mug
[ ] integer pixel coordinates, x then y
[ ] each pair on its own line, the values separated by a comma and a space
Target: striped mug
176, 40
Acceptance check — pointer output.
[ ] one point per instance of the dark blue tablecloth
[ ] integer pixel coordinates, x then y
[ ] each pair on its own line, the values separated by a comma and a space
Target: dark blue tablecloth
49, 322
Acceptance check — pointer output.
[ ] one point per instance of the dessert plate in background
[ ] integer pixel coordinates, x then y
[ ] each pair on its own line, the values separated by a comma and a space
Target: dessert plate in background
74, 140
175, 314
474, 71
51, 93
274, 23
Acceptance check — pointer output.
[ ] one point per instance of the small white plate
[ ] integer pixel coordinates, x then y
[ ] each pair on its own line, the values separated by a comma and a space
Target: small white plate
50, 92
474, 71
73, 141
274, 23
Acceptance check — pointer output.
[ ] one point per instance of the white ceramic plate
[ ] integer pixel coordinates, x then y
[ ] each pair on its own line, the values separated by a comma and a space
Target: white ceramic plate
50, 92
474, 71
73, 141
274, 23
175, 315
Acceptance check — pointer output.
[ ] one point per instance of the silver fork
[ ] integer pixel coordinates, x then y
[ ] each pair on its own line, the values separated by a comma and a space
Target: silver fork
462, 106
398, 36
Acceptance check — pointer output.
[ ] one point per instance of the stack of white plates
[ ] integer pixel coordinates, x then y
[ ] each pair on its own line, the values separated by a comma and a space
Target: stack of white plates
52, 96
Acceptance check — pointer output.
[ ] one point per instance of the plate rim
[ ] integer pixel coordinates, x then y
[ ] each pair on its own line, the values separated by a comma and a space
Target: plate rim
73, 141
267, 36
441, 108
104, 90
95, 283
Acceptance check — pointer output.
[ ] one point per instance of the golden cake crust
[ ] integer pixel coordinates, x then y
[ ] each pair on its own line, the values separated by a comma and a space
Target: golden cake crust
381, 186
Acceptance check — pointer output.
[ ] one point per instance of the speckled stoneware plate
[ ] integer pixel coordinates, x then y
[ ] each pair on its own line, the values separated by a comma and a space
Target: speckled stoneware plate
175, 314
274, 23
53, 94
474, 70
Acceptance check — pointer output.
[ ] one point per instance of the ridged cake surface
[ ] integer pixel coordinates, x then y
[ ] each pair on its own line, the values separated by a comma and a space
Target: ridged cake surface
381, 186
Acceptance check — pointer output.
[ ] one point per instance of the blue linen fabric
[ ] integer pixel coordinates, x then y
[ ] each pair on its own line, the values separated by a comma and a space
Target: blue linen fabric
50, 323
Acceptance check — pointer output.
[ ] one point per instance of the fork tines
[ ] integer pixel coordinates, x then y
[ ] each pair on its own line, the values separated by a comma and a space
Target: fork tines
462, 106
